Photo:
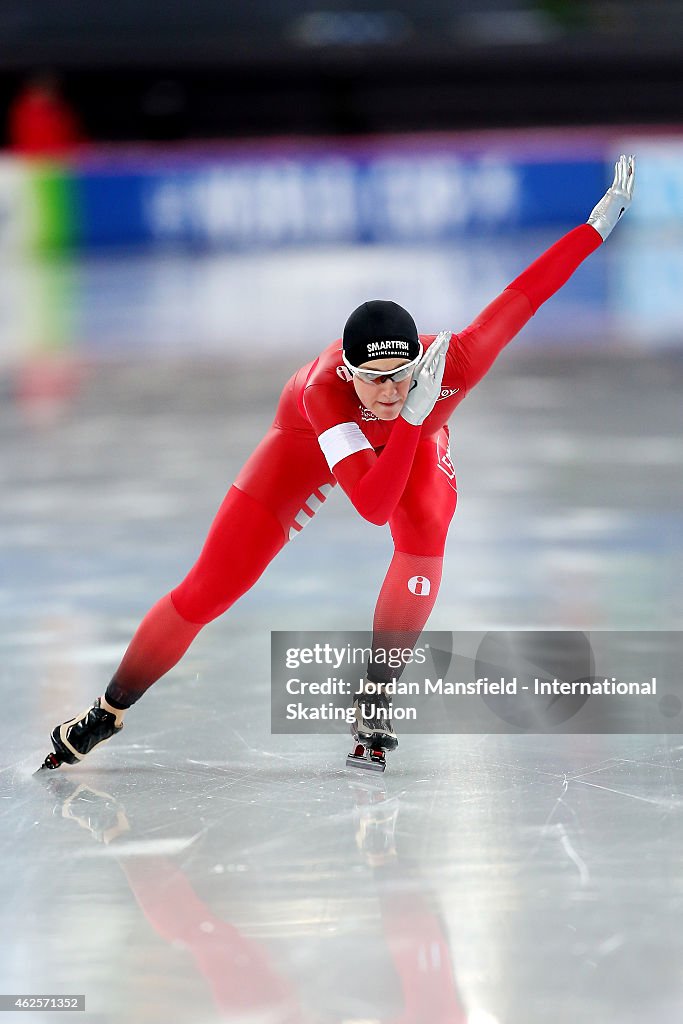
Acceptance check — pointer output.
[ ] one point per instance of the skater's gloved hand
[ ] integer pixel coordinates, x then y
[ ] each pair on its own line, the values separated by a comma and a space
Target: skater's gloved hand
425, 386
618, 197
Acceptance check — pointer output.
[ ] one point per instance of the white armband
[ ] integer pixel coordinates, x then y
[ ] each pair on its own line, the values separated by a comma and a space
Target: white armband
342, 440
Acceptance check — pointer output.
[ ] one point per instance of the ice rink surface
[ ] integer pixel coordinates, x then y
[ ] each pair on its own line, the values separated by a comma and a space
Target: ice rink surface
198, 869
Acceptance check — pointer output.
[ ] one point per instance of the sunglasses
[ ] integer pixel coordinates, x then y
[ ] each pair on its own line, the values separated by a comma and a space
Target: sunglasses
381, 376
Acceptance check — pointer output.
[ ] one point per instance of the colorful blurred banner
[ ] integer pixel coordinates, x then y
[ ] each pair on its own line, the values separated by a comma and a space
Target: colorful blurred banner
143, 249
437, 189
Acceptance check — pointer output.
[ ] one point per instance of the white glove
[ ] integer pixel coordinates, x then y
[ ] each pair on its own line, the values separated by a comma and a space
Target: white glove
618, 197
425, 386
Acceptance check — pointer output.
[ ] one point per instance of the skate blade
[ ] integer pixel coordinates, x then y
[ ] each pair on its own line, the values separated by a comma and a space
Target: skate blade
370, 760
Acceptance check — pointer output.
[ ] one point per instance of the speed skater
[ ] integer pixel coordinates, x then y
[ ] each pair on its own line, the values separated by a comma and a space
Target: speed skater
371, 414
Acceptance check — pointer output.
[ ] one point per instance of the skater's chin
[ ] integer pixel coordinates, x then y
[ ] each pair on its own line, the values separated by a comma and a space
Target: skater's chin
387, 410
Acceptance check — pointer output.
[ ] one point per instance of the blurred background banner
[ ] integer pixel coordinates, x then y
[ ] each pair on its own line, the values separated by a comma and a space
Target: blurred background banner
393, 191
141, 248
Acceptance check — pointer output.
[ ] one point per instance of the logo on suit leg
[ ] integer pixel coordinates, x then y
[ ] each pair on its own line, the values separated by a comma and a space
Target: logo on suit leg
419, 585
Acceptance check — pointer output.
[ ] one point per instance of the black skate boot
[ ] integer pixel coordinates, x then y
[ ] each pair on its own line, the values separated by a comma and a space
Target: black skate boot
74, 739
372, 729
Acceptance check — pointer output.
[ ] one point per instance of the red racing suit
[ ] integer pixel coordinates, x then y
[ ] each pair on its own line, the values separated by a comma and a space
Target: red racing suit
392, 472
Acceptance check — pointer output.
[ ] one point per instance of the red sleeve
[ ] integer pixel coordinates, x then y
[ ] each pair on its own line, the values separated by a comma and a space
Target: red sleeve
478, 345
549, 272
374, 483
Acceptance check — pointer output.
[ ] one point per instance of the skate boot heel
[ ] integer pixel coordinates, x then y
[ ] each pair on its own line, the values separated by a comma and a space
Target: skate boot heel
366, 757
51, 762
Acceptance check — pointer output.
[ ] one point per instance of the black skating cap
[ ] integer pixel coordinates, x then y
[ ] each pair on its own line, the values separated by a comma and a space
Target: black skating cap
380, 329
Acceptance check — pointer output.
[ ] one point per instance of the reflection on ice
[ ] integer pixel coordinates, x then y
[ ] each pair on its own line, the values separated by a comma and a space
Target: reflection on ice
407, 973
507, 879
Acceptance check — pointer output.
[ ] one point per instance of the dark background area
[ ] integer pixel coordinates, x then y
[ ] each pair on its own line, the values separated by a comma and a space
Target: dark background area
213, 69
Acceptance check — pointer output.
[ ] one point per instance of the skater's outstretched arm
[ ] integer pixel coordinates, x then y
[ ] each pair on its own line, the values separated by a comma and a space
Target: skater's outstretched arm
479, 344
